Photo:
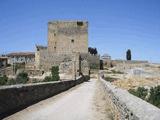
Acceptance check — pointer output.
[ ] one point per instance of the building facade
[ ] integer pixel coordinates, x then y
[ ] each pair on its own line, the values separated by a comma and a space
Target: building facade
21, 57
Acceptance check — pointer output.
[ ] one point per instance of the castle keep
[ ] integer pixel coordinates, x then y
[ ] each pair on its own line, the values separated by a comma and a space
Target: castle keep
67, 40
67, 37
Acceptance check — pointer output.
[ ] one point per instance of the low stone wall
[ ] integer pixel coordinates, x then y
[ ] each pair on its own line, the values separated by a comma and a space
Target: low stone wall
17, 97
129, 106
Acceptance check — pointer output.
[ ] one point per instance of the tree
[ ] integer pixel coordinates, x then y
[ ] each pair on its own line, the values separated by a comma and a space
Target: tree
95, 51
101, 65
155, 96
140, 92
47, 79
3, 80
92, 51
55, 73
22, 77
128, 55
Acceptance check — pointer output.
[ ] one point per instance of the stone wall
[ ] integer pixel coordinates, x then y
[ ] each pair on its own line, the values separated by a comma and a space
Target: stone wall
80, 62
6, 71
129, 106
40, 55
66, 37
16, 97
93, 60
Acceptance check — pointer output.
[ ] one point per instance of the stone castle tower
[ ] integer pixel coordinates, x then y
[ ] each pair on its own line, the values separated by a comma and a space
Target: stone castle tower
67, 37
66, 41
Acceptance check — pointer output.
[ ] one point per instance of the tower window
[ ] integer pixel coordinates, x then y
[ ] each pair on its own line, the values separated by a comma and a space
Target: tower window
79, 23
72, 41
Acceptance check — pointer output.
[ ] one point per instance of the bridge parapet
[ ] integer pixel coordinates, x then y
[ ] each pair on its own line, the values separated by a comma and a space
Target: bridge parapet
16, 97
129, 106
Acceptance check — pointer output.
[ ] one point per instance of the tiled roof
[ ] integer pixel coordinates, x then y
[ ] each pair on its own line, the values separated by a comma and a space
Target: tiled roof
21, 54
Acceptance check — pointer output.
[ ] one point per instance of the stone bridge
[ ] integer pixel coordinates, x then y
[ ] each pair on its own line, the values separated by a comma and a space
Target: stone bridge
93, 99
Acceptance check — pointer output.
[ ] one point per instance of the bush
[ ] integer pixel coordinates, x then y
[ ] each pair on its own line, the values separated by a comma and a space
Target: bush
117, 72
22, 78
11, 82
47, 79
3, 80
34, 80
141, 92
155, 96
55, 73
110, 79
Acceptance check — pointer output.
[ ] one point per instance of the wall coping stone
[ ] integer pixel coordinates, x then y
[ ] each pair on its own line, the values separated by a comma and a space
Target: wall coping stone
139, 108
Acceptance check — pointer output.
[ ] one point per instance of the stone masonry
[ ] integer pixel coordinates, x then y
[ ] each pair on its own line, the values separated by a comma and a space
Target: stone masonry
67, 37
67, 40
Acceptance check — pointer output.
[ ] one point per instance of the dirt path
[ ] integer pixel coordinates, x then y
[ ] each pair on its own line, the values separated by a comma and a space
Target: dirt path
83, 102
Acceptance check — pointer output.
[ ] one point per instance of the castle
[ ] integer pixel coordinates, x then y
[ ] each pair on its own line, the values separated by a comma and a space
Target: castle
67, 42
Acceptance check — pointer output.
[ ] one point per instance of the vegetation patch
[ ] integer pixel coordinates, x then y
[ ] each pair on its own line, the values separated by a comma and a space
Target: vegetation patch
116, 72
110, 79
3, 80
22, 78
155, 96
140, 92
11, 82
152, 96
54, 75
47, 79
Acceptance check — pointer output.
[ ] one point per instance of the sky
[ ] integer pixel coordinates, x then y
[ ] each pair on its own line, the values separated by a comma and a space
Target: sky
114, 25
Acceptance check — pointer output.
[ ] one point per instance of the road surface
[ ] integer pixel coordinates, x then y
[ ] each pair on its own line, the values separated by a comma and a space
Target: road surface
83, 102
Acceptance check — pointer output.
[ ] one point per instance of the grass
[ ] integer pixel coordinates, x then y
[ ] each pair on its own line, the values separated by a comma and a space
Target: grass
110, 79
116, 72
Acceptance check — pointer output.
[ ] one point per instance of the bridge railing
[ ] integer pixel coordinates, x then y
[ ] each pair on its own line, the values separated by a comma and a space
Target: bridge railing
16, 97
129, 106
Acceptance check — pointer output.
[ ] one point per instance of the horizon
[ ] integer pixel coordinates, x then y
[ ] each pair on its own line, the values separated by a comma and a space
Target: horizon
114, 27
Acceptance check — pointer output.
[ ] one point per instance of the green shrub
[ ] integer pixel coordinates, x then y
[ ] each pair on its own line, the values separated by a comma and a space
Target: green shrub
11, 82
34, 80
47, 79
110, 79
116, 72
55, 73
3, 80
141, 92
155, 96
22, 77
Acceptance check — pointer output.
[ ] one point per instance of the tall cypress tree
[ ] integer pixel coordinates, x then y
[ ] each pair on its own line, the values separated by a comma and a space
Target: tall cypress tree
128, 55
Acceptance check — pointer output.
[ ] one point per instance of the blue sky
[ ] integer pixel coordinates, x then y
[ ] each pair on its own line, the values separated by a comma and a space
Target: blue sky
114, 25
